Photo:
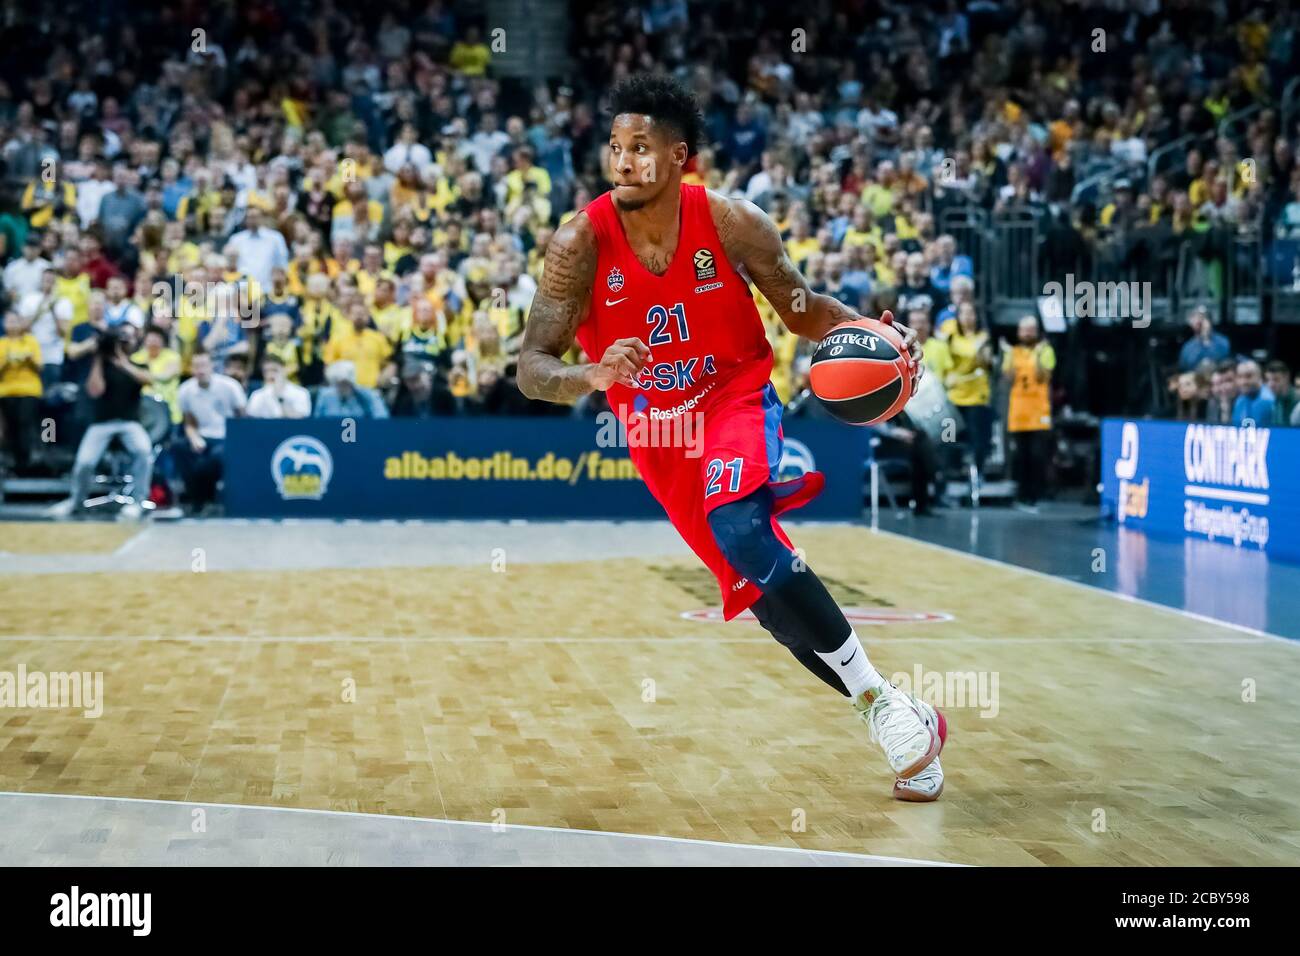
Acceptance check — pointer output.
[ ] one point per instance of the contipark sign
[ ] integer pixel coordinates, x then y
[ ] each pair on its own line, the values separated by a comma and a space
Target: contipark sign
1236, 486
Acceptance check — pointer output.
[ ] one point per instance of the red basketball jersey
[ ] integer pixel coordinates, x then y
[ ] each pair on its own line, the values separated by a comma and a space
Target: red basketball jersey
705, 336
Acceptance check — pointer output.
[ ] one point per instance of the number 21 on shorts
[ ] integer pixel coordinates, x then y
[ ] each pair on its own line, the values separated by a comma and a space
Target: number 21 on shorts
715, 474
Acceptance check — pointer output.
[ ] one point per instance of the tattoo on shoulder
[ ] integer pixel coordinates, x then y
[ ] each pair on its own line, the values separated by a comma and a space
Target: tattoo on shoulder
558, 308
752, 241
565, 288
570, 261
724, 217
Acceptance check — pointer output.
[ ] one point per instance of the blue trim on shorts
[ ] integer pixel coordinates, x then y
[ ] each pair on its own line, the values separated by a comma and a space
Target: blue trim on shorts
772, 431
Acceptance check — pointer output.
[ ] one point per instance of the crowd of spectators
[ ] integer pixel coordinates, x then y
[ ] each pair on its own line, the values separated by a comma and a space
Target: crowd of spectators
282, 209
1214, 384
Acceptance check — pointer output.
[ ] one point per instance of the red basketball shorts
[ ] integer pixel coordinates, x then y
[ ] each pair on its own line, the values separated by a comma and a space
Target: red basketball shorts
736, 449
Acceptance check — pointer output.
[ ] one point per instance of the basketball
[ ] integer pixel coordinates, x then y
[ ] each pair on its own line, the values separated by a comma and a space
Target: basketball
860, 372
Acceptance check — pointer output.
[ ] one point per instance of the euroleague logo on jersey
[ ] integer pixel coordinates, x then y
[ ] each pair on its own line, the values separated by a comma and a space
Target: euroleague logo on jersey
615, 280
704, 266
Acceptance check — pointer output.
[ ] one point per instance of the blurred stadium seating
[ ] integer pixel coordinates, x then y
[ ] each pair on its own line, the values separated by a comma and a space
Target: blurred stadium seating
409, 161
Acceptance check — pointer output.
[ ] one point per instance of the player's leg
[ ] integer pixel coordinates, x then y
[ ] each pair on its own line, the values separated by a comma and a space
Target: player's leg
804, 655
797, 603
795, 600
925, 786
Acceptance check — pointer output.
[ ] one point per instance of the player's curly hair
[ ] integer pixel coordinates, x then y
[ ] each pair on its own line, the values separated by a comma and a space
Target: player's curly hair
665, 99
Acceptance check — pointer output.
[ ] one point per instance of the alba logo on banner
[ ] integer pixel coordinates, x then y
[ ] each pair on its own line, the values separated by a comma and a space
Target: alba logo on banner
796, 460
301, 467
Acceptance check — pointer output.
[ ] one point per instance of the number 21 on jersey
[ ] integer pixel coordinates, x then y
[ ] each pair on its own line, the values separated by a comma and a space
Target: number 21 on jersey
658, 317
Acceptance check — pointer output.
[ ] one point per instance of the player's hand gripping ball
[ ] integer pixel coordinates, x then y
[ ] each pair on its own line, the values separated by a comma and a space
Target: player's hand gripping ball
865, 370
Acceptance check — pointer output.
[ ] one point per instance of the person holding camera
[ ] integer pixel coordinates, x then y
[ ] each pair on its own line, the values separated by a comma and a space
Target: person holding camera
113, 387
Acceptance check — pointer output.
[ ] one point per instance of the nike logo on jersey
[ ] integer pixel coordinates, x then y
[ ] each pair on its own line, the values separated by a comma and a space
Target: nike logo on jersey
615, 301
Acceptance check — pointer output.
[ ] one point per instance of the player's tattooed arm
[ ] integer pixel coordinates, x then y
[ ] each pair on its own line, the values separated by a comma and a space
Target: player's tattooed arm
558, 308
752, 242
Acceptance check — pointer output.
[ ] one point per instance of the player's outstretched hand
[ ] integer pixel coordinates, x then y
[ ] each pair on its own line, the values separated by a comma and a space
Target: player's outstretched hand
914, 351
622, 363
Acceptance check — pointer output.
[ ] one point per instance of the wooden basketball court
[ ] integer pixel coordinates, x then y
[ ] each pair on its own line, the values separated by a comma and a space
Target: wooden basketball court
545, 675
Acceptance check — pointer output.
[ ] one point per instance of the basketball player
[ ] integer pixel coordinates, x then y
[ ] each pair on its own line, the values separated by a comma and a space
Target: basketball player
650, 278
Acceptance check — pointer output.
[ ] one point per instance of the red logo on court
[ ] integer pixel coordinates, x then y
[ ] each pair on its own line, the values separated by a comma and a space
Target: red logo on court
854, 615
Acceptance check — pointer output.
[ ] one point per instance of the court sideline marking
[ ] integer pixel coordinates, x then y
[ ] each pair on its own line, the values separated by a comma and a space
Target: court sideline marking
130, 543
1132, 599
480, 823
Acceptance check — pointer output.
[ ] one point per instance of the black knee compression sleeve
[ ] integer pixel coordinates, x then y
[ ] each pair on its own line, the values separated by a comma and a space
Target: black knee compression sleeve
803, 609
804, 655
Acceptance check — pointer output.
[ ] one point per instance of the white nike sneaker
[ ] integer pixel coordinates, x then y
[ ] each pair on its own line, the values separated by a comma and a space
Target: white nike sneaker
896, 724
927, 785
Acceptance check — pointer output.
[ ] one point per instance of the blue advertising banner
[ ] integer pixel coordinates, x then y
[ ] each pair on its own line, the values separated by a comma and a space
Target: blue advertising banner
484, 468
1240, 486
